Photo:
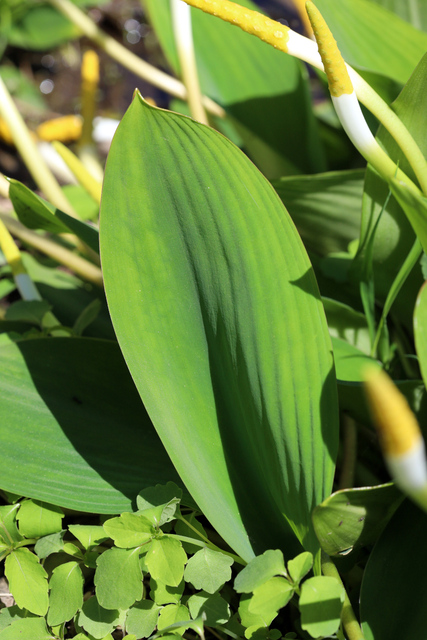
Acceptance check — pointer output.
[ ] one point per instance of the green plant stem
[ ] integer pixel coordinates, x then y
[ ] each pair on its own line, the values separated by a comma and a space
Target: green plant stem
75, 263
389, 119
128, 59
348, 466
181, 21
348, 618
207, 542
210, 545
400, 279
30, 154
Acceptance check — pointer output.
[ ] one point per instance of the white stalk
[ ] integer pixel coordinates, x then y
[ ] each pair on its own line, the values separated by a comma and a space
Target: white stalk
181, 20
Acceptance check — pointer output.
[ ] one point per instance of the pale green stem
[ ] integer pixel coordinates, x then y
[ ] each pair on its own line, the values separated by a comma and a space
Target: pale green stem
128, 59
30, 153
388, 118
210, 545
80, 266
348, 618
4, 187
76, 166
410, 261
181, 21
207, 542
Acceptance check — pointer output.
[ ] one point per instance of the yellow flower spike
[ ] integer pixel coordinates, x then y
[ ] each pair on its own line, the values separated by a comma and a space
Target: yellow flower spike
334, 65
64, 129
250, 21
399, 433
90, 81
346, 103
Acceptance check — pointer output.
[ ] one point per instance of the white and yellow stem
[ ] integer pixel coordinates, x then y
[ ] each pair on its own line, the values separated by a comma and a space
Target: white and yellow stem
24, 284
183, 32
399, 433
288, 41
345, 101
128, 59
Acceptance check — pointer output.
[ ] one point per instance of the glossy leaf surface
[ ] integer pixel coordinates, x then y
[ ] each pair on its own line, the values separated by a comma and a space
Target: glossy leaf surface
219, 318
354, 517
71, 403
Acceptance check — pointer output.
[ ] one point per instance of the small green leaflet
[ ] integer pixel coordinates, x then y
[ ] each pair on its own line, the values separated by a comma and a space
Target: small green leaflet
166, 559
37, 519
118, 578
27, 581
66, 593
208, 570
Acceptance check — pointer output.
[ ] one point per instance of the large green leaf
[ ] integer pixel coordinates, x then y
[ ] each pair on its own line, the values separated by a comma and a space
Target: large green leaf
414, 11
394, 587
219, 318
76, 432
263, 90
373, 38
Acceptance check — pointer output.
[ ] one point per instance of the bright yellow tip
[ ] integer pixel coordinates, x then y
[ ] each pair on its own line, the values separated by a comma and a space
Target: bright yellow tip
335, 69
5, 132
64, 129
250, 21
397, 426
10, 250
90, 67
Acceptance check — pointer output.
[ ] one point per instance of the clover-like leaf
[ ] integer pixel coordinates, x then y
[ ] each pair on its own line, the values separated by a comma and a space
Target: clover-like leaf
208, 570
129, 530
66, 593
27, 581
118, 578
166, 559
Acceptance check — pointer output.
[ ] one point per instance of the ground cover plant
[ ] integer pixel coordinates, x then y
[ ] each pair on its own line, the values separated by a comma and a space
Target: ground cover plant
190, 385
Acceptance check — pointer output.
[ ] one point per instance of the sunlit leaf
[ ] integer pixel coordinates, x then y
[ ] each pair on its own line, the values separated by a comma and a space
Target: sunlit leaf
208, 282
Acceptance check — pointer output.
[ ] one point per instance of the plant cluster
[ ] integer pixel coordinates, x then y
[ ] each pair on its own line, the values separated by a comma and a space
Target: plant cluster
224, 340
151, 569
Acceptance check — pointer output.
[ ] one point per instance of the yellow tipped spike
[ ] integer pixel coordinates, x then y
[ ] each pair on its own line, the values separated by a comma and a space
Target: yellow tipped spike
250, 21
397, 426
335, 69
90, 68
90, 80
